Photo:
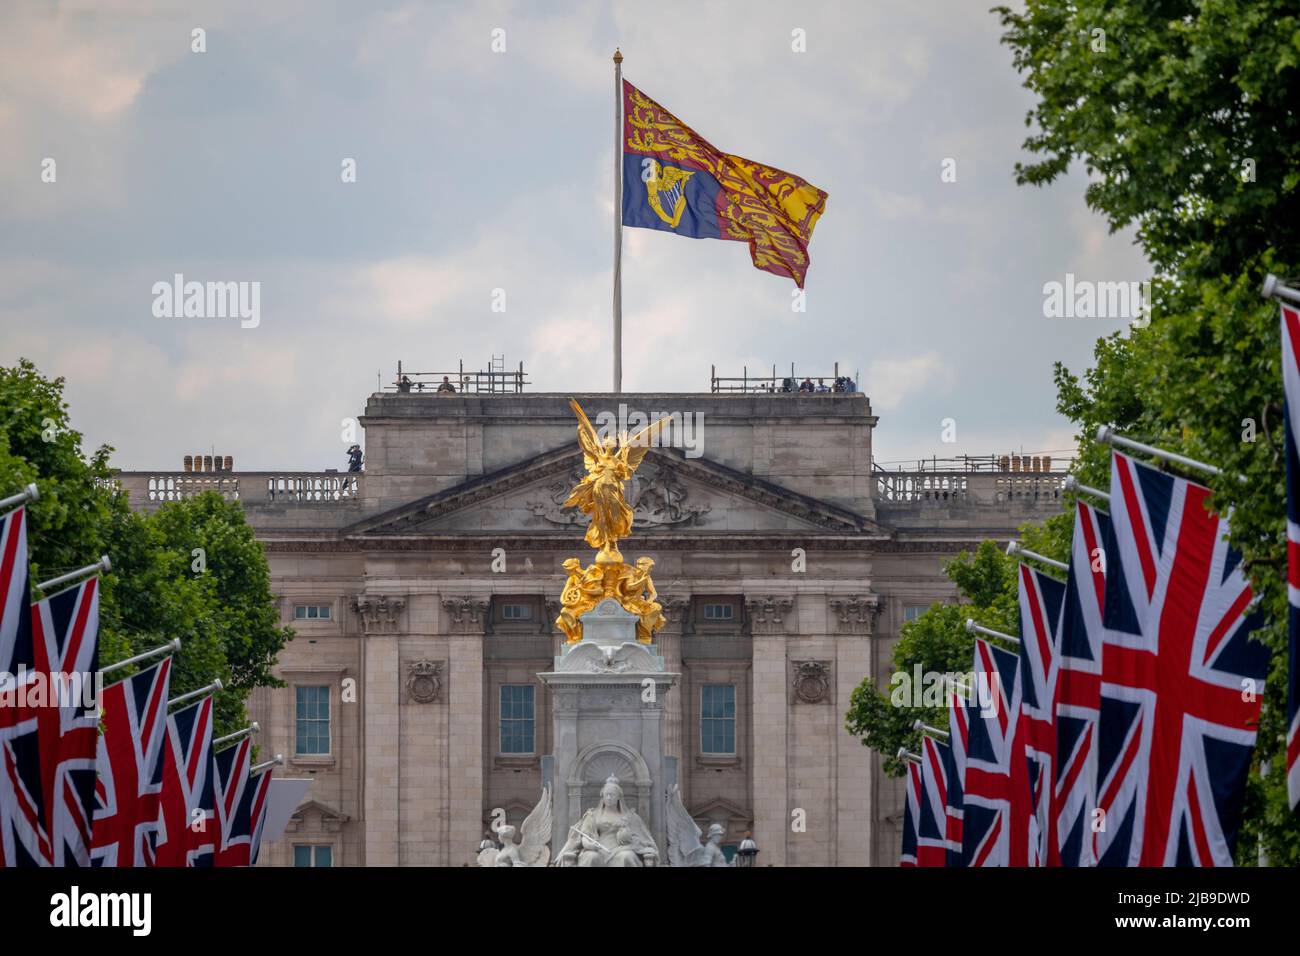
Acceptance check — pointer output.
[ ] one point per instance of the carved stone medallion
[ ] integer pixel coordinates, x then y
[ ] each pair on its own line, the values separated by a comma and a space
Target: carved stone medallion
811, 681
424, 681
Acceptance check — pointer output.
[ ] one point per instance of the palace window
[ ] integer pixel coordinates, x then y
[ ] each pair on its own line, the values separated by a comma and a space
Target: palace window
718, 719
517, 718
308, 854
516, 612
312, 719
912, 611
311, 612
719, 612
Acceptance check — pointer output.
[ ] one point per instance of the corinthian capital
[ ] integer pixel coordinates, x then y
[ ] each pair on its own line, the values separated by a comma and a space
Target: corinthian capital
855, 614
379, 613
467, 614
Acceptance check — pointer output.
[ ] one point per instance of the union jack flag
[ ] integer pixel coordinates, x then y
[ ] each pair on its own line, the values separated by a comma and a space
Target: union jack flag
65, 629
230, 781
24, 839
932, 822
937, 828
1291, 384
244, 838
958, 740
1181, 678
994, 713
1078, 688
130, 768
258, 801
187, 817
911, 811
1033, 834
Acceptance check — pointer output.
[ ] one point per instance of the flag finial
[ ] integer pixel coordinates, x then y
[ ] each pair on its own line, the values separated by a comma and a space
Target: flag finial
618, 55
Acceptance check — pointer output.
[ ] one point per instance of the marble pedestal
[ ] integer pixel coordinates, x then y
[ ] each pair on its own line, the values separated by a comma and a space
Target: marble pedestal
608, 712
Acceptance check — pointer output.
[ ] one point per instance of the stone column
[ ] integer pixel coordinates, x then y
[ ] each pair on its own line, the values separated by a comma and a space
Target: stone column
379, 617
669, 640
464, 620
853, 621
770, 727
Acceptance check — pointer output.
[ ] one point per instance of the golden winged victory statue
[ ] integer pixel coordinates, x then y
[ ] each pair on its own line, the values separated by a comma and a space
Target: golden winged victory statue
599, 495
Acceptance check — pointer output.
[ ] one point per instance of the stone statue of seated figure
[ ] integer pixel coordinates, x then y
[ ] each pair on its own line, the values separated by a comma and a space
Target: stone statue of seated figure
609, 834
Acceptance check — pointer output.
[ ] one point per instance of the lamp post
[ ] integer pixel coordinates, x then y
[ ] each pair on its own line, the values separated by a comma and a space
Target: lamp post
747, 852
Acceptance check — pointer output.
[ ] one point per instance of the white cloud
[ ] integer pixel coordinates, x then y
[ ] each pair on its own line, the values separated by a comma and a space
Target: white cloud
891, 382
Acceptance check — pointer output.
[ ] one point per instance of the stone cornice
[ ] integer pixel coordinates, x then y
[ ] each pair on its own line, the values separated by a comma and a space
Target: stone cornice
684, 541
408, 518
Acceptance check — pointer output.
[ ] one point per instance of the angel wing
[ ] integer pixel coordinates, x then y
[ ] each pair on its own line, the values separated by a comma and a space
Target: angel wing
683, 833
634, 448
587, 437
536, 833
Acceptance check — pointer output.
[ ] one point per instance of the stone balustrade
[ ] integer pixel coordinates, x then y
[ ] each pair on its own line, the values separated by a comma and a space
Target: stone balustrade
976, 488
250, 488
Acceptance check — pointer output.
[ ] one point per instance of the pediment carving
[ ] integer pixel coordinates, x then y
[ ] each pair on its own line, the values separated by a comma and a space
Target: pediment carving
668, 492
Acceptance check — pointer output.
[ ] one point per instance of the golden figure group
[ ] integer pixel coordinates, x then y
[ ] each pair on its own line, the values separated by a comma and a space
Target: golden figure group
599, 495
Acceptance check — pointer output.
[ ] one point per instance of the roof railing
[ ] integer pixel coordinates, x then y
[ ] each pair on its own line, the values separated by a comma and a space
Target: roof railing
493, 381
780, 383
1031, 463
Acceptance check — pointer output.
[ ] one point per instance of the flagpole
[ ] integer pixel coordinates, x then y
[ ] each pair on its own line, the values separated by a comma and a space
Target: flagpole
185, 698
252, 728
103, 565
173, 645
27, 494
618, 221
1014, 548
1072, 484
1274, 288
275, 761
925, 728
1107, 436
973, 628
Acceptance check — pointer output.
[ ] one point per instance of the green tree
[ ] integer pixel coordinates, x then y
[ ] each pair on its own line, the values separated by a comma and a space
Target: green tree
1184, 114
223, 612
936, 643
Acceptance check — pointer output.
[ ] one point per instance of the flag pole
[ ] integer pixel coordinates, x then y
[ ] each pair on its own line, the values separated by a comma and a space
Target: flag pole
27, 494
185, 698
618, 221
926, 729
252, 728
1274, 288
103, 565
1072, 484
173, 645
1014, 548
973, 628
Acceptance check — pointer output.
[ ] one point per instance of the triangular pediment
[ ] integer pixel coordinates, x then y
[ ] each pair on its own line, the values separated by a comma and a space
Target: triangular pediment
313, 814
720, 809
669, 492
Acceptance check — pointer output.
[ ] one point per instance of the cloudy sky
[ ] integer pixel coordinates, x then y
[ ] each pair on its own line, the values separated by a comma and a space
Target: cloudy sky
478, 171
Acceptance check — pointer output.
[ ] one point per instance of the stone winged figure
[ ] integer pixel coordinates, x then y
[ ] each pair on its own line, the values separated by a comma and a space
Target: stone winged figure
532, 849
684, 847
599, 495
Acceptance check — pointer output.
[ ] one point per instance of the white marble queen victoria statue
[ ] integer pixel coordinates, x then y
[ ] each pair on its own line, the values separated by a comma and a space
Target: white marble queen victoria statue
609, 834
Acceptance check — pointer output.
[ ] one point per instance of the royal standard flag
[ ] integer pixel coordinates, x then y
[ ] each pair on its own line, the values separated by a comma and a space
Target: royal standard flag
675, 181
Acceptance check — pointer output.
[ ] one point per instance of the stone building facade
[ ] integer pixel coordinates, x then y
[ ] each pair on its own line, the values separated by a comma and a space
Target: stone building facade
423, 590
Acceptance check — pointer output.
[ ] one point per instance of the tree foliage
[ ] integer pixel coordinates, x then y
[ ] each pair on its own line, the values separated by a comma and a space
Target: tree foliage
1187, 123
936, 643
222, 611
1184, 115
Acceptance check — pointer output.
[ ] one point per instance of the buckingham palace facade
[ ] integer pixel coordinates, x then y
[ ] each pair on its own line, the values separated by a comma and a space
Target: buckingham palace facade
423, 593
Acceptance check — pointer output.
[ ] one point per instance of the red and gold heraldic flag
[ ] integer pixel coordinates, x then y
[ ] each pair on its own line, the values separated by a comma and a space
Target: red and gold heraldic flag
675, 181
